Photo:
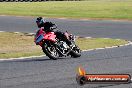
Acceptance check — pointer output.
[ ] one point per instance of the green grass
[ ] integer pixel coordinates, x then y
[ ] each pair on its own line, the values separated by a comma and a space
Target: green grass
112, 9
14, 45
93, 43
17, 45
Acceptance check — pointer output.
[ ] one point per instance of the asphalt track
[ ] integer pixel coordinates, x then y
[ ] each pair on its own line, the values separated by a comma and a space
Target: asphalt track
46, 73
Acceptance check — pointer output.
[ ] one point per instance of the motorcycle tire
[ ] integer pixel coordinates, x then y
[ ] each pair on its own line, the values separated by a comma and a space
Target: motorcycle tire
75, 54
44, 48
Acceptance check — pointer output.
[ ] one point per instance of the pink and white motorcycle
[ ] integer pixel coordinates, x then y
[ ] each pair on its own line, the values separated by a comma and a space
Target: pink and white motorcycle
55, 48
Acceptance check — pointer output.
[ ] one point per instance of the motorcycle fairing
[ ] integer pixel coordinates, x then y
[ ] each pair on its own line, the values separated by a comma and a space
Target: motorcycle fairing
50, 36
39, 38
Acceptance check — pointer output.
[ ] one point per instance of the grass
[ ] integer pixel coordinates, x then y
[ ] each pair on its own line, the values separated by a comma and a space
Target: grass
17, 45
113, 9
93, 43
14, 45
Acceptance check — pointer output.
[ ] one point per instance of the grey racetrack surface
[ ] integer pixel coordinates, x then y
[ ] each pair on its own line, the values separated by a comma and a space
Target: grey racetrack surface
45, 73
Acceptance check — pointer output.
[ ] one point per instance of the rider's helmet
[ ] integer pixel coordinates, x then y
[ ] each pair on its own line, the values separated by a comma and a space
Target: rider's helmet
40, 22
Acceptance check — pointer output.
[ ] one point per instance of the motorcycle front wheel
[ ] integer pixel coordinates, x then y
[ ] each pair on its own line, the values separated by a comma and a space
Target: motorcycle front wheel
50, 51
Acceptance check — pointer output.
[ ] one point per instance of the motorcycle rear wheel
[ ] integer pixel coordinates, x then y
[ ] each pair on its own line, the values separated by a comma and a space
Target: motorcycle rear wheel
75, 52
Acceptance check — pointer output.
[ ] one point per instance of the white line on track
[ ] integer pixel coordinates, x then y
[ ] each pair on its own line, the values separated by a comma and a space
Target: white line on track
21, 58
16, 32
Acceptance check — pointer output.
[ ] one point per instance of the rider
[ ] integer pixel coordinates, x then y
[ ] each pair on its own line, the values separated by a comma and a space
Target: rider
49, 26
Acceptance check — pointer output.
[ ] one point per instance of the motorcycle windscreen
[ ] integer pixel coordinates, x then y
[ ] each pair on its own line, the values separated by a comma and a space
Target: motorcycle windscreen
39, 38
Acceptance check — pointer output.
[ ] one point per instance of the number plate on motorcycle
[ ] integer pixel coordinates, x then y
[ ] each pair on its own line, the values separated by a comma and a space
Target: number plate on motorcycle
39, 38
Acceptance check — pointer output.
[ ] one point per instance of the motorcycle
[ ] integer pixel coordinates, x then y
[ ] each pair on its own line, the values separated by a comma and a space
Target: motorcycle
55, 48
